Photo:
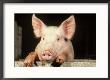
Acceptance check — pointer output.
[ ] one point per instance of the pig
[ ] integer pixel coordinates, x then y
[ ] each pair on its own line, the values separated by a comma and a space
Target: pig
55, 44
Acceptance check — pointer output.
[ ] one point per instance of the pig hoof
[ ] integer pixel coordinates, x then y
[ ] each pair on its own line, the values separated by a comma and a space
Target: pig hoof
27, 64
60, 61
57, 63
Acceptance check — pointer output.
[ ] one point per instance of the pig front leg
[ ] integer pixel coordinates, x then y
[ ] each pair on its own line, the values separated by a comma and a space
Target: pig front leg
30, 59
61, 58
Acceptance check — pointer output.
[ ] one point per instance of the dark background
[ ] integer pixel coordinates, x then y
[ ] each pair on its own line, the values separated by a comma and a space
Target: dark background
84, 40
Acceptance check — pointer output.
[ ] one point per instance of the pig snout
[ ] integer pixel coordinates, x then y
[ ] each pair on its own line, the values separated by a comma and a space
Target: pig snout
47, 55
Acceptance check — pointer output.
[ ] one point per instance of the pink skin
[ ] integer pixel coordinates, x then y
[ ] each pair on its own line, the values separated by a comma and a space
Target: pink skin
47, 55
55, 43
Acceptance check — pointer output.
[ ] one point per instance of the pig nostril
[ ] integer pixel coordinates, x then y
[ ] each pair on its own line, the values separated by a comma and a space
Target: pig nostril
43, 54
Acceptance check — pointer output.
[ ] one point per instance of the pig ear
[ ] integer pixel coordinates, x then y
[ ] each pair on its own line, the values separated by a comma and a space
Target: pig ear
68, 27
38, 25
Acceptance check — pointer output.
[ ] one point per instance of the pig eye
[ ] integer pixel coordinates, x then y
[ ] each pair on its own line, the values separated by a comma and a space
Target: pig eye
43, 38
58, 39
66, 39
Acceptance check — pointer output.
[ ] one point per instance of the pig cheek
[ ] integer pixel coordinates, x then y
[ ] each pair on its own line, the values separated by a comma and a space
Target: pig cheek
41, 47
59, 46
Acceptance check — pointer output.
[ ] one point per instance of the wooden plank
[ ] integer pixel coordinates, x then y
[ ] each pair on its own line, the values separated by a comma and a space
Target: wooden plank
76, 63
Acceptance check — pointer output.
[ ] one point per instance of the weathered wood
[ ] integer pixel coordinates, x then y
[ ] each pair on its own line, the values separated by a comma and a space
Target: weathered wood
76, 63
17, 41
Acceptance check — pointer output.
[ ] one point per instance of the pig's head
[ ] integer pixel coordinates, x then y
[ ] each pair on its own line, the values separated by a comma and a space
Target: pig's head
53, 39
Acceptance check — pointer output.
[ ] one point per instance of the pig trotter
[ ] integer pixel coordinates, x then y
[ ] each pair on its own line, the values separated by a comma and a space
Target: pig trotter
58, 62
30, 59
61, 61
